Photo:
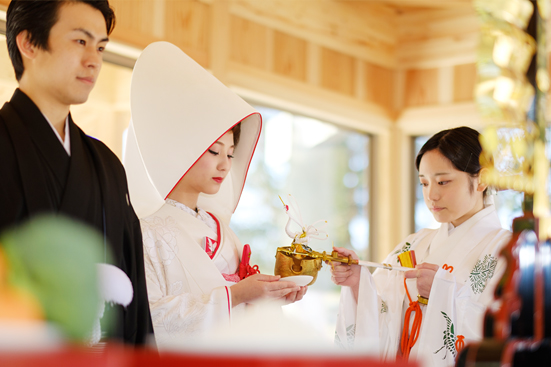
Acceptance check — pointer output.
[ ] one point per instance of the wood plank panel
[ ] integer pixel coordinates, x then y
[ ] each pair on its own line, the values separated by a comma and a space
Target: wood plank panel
422, 3
437, 52
248, 43
431, 119
435, 38
219, 46
421, 87
338, 72
134, 23
379, 84
464, 81
187, 25
273, 90
289, 56
422, 25
368, 35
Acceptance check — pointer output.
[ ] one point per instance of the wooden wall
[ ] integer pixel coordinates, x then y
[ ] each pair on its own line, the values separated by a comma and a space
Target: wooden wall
322, 47
393, 72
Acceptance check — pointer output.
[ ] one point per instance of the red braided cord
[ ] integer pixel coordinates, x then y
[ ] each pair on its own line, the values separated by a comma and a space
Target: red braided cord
409, 340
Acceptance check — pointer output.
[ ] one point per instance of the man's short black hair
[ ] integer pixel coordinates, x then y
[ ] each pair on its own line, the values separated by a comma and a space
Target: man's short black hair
38, 17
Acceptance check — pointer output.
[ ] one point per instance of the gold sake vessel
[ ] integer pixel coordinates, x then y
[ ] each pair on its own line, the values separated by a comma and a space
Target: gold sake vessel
289, 263
300, 259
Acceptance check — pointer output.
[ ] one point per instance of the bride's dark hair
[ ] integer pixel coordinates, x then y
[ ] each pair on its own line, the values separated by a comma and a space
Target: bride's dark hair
236, 130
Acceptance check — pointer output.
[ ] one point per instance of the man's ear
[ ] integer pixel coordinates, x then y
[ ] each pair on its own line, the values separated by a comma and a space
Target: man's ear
481, 185
25, 46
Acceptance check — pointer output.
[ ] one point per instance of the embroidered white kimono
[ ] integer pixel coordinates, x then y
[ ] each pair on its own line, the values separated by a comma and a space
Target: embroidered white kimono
187, 292
462, 289
178, 111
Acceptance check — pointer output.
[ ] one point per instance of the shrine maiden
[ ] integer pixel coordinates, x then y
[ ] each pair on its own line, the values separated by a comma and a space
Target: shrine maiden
458, 267
189, 147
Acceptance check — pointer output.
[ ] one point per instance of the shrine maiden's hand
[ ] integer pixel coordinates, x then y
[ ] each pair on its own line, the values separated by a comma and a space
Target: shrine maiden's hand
425, 276
295, 296
347, 275
260, 286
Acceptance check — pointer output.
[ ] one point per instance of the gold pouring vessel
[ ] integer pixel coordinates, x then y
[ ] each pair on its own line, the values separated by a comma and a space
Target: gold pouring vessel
300, 259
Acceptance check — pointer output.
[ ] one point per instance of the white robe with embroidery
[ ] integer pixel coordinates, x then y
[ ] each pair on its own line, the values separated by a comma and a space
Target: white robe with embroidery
457, 301
187, 293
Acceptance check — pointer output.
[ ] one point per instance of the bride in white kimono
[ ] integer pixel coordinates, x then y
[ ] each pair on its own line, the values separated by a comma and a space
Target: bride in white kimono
449, 291
187, 131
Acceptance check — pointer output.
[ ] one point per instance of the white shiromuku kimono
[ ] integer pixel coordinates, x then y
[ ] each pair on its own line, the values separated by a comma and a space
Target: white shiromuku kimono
179, 110
188, 293
462, 289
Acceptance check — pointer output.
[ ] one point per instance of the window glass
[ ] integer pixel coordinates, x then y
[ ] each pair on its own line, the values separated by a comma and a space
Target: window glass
325, 168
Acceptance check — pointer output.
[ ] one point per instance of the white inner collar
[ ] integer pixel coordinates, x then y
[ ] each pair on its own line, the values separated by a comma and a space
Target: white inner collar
67, 143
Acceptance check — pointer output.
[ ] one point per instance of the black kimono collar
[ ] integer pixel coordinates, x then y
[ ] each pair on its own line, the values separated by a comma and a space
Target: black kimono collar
41, 133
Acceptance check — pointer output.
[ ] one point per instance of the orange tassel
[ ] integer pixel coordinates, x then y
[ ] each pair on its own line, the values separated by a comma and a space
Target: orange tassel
409, 339
459, 343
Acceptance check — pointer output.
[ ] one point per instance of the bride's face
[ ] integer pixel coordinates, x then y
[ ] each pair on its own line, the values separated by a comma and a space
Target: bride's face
451, 195
208, 173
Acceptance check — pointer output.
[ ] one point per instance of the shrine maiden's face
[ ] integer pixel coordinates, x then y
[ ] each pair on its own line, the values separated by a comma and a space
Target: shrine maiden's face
208, 173
69, 69
451, 195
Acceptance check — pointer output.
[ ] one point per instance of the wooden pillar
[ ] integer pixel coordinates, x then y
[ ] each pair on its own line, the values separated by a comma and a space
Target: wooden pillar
219, 48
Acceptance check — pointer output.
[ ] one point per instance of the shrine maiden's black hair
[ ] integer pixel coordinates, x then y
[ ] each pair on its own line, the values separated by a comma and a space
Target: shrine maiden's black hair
460, 145
38, 17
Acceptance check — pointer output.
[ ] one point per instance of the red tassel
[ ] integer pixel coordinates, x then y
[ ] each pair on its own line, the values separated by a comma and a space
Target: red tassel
245, 270
409, 340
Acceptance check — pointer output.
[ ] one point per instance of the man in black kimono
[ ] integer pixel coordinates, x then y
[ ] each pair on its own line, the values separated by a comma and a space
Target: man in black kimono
47, 164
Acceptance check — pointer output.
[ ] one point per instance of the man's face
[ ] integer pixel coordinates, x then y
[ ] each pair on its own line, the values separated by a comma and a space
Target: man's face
68, 71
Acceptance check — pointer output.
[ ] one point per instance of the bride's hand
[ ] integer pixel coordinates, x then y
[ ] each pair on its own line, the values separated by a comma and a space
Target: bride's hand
260, 286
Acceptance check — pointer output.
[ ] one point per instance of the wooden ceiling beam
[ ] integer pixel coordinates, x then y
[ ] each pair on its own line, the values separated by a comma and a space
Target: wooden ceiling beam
370, 35
404, 4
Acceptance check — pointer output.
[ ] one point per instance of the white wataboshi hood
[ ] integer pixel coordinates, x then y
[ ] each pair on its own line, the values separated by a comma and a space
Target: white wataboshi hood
178, 111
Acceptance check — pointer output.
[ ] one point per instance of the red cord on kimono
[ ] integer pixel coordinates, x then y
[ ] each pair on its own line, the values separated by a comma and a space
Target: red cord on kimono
245, 269
409, 339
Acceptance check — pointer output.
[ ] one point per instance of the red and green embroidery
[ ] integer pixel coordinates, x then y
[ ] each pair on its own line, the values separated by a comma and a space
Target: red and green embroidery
452, 343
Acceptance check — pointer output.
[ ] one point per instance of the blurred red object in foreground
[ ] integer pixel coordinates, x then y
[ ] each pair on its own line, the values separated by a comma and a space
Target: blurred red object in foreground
120, 356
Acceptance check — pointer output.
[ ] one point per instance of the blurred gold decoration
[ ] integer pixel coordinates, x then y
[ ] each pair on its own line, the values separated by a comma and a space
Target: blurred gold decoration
543, 7
508, 153
514, 140
514, 155
504, 95
505, 45
516, 12
542, 79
